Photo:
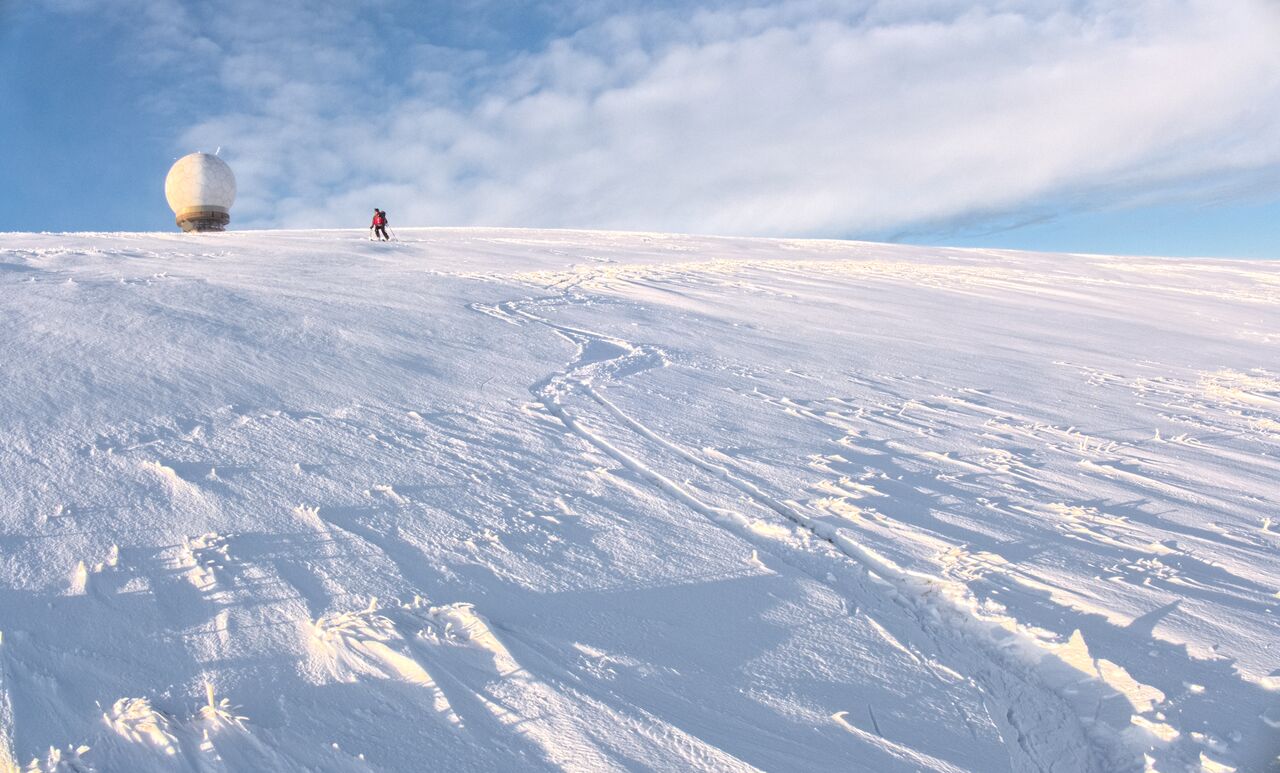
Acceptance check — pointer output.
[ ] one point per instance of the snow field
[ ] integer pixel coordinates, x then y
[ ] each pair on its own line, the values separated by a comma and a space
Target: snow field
510, 499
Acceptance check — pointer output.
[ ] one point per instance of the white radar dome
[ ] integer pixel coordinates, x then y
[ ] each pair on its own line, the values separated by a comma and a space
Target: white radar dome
201, 189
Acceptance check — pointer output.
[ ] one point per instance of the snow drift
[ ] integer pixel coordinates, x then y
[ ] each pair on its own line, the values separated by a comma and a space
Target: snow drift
510, 499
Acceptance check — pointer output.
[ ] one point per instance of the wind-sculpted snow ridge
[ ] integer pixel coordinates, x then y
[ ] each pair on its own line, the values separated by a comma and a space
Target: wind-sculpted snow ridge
487, 499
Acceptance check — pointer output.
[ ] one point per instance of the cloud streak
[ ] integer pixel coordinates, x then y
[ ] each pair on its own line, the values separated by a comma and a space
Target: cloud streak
797, 118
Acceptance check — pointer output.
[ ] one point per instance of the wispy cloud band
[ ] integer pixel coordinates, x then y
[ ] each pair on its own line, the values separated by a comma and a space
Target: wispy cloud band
789, 117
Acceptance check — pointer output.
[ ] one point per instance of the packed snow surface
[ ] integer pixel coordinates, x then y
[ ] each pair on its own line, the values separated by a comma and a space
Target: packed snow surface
501, 499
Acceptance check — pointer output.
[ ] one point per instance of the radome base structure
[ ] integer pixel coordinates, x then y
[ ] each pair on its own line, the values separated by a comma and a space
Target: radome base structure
206, 218
200, 189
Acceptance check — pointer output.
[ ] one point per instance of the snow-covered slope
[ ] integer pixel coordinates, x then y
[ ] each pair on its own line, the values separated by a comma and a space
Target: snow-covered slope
499, 499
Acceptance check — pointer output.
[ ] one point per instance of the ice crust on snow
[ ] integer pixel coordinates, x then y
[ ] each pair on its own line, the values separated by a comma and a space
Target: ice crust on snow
509, 499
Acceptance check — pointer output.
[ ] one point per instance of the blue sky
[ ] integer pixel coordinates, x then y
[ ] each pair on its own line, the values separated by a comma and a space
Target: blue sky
1143, 126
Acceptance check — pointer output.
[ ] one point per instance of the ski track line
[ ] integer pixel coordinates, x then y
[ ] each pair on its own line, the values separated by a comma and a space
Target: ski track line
903, 754
1056, 734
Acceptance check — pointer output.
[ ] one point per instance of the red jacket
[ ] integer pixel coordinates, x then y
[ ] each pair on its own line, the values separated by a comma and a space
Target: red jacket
379, 220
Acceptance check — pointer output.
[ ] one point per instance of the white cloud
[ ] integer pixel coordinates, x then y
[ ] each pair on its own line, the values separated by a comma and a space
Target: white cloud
804, 117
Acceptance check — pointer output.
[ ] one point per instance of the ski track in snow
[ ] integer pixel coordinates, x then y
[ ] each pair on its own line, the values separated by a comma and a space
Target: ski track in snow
513, 499
1056, 740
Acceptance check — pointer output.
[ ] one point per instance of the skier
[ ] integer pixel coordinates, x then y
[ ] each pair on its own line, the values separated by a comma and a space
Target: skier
380, 224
